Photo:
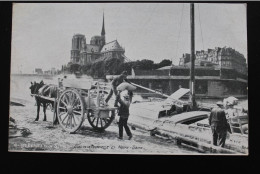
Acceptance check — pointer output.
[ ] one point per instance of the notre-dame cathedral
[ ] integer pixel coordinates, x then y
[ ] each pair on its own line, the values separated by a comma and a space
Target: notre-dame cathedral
98, 49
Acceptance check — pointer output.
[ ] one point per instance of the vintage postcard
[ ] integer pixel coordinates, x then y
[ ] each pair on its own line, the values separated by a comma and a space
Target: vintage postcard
129, 78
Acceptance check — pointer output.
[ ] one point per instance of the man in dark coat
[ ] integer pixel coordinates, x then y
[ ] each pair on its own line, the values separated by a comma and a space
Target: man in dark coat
123, 113
219, 125
115, 82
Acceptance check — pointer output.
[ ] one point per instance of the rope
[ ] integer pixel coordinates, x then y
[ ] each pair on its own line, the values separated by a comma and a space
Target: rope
24, 131
200, 27
177, 43
144, 23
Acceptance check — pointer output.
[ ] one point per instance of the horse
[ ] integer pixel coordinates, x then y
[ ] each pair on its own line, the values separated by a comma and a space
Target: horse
42, 89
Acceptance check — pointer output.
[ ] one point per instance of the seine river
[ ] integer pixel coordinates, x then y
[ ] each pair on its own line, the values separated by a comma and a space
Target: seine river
19, 87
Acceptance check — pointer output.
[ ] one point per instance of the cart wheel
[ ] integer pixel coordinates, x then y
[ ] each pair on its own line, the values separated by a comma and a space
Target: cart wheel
98, 122
70, 110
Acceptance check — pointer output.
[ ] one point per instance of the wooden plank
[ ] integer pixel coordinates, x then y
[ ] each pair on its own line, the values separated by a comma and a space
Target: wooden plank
199, 142
79, 84
200, 145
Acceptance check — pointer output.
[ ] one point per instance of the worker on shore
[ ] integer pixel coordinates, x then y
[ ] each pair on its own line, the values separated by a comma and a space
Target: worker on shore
230, 111
123, 112
219, 125
115, 82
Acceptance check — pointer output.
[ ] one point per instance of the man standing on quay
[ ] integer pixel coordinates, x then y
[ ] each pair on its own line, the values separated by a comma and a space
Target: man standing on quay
123, 113
115, 82
219, 125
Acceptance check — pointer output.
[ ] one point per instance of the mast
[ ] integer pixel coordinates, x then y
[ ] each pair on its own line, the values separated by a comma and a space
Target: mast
192, 78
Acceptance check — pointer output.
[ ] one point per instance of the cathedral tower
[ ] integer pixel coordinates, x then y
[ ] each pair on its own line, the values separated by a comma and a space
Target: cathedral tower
76, 47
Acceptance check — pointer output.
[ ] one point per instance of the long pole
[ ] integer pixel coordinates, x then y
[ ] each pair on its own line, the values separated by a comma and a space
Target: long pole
148, 89
192, 78
157, 92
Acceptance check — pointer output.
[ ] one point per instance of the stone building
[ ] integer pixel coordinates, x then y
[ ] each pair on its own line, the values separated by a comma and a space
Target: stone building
210, 81
38, 71
98, 49
223, 57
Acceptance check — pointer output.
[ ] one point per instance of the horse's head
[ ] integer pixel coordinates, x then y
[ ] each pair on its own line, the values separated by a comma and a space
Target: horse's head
35, 87
32, 87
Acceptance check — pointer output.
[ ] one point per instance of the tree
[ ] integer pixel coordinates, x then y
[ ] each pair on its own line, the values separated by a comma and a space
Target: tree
145, 64
86, 68
74, 68
115, 66
164, 62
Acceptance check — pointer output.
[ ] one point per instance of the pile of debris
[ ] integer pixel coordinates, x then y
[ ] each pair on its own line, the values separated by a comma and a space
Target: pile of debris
15, 131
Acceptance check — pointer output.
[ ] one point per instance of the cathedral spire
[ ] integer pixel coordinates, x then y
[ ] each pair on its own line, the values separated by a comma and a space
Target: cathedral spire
103, 26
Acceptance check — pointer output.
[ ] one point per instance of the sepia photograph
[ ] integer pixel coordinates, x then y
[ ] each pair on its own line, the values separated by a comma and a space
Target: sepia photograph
129, 78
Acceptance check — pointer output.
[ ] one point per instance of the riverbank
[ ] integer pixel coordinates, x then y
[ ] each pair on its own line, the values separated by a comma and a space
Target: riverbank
45, 134
45, 137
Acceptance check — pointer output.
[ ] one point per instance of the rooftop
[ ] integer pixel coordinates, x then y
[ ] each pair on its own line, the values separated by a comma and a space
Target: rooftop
92, 48
78, 34
113, 45
187, 66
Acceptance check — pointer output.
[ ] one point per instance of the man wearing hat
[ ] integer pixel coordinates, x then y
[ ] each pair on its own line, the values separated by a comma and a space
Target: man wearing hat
115, 82
219, 125
123, 112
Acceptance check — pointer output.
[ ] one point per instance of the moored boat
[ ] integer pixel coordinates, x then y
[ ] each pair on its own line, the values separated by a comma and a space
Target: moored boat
188, 127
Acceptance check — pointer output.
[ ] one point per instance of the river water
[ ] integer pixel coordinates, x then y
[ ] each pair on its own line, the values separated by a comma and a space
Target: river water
19, 87
20, 84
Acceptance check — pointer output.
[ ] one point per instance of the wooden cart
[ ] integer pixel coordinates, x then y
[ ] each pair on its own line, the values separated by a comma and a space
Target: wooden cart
80, 99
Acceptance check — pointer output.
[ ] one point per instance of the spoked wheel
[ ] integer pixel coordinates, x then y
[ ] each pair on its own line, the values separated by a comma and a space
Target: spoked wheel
70, 110
100, 119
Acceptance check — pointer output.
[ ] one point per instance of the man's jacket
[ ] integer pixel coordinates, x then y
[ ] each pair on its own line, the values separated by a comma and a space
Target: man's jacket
218, 119
123, 110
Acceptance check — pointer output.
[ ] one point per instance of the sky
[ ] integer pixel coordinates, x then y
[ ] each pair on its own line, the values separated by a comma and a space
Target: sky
42, 32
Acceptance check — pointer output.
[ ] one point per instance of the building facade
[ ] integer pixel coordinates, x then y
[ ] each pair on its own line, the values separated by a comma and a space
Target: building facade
223, 57
38, 71
209, 80
98, 49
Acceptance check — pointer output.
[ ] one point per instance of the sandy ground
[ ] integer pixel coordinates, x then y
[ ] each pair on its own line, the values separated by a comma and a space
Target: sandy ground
48, 138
